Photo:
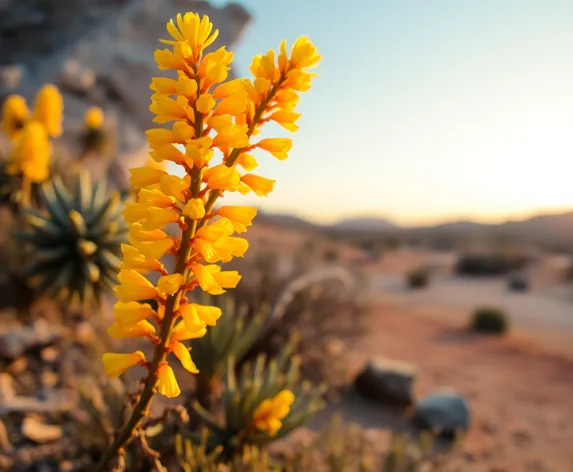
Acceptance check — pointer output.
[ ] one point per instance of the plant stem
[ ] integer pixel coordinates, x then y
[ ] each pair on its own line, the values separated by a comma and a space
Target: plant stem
159, 354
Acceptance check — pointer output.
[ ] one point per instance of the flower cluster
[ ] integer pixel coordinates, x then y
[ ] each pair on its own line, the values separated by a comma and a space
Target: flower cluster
268, 415
30, 132
210, 116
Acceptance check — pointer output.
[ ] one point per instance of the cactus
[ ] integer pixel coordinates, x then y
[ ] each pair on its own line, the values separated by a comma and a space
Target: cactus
258, 381
74, 246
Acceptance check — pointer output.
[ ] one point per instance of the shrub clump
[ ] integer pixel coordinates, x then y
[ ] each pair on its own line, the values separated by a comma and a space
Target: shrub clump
418, 278
488, 264
489, 320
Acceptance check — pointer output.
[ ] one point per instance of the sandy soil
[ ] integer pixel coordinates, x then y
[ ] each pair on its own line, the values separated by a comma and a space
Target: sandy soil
521, 398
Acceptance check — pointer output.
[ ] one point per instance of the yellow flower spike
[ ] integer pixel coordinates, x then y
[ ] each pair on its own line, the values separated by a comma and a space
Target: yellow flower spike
184, 357
211, 119
268, 415
141, 329
134, 260
15, 114
144, 176
155, 198
167, 383
170, 284
49, 109
194, 209
221, 177
93, 118
278, 147
260, 185
116, 364
182, 333
239, 216
131, 313
196, 316
154, 249
31, 154
159, 217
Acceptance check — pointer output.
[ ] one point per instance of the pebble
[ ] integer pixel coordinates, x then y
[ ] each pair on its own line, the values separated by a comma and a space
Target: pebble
39, 432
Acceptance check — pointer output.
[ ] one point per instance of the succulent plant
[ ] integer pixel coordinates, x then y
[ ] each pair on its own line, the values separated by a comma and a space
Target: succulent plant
11, 189
75, 244
256, 382
233, 335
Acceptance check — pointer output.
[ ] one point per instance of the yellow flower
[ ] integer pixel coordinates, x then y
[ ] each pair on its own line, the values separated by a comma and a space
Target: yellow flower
170, 284
260, 185
131, 313
133, 259
194, 209
182, 333
31, 153
239, 216
134, 287
212, 280
167, 383
141, 329
268, 415
197, 316
49, 109
157, 218
278, 147
116, 364
93, 118
184, 357
15, 114
144, 176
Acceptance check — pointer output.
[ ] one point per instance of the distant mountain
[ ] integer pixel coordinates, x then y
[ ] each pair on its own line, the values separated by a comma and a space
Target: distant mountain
364, 224
289, 221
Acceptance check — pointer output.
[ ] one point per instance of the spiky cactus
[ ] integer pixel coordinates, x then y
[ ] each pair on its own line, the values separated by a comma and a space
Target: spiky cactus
75, 244
243, 393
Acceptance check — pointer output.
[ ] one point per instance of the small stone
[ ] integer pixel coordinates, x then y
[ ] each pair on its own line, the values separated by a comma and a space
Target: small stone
6, 388
85, 333
445, 412
5, 444
11, 77
388, 382
49, 354
39, 432
76, 78
66, 466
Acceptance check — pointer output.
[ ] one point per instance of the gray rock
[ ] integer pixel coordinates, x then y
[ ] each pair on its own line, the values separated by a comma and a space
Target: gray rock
100, 52
444, 412
388, 382
15, 341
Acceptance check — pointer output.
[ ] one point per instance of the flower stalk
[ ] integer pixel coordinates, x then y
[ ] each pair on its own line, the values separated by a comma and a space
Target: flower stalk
210, 114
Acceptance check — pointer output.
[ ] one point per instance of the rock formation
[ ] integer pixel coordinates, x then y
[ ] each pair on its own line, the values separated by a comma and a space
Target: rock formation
98, 52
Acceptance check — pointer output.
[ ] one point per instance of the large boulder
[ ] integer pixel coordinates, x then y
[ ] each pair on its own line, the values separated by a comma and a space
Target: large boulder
444, 412
388, 382
98, 52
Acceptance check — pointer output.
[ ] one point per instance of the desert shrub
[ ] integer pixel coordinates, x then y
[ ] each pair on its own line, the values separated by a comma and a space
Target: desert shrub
418, 278
488, 264
489, 320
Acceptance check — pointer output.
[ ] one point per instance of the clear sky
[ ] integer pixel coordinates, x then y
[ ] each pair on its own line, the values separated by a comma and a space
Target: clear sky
424, 111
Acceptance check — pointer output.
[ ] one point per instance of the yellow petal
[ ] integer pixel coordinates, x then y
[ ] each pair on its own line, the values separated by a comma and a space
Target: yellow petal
194, 209
132, 312
139, 330
260, 185
184, 357
170, 284
167, 383
116, 364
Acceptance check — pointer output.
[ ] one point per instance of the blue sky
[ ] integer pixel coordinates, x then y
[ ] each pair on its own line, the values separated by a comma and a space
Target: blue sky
424, 111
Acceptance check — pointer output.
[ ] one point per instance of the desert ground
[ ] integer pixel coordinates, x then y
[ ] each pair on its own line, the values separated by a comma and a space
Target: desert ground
519, 387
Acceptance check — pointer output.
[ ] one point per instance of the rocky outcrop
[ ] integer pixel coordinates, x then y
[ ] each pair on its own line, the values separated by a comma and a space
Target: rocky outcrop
98, 52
